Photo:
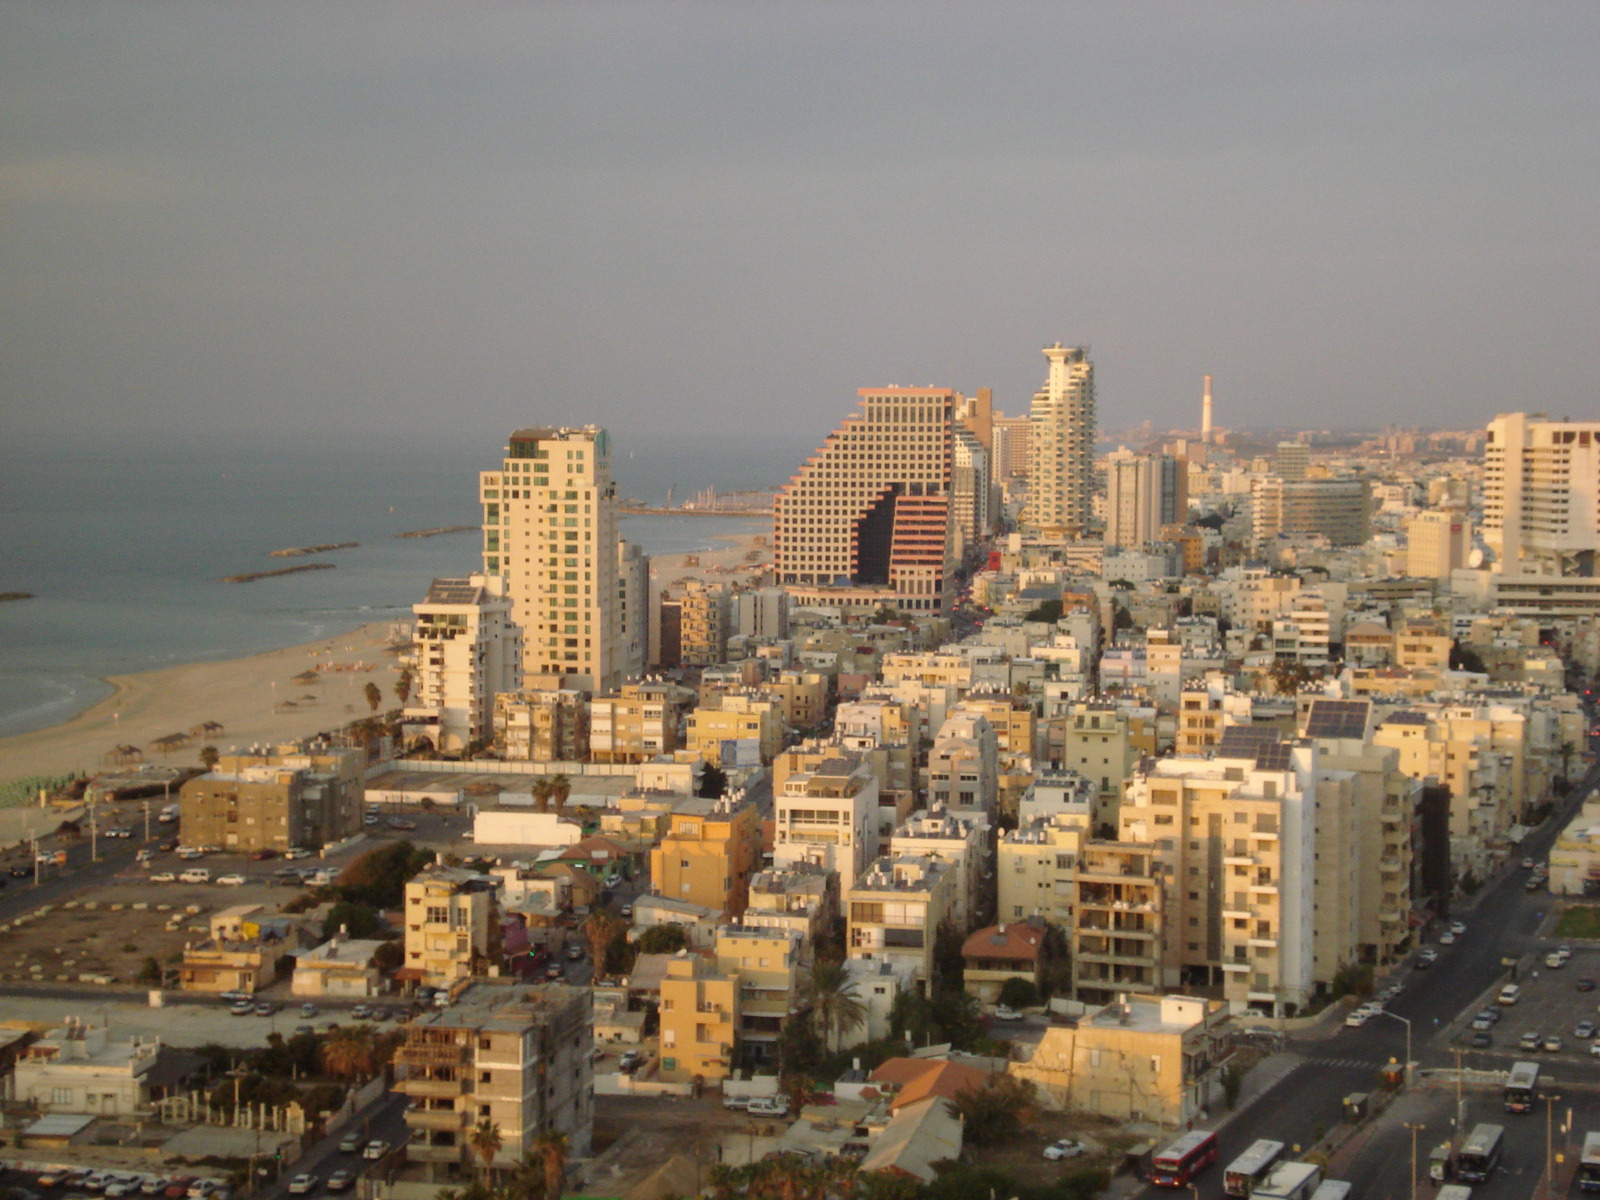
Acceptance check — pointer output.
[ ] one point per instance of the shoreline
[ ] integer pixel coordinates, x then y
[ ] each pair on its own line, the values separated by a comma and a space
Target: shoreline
248, 696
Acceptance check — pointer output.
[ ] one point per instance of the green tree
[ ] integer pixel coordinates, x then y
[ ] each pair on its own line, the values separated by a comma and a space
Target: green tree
560, 789
402, 686
713, 782
150, 971
373, 695
359, 920
1049, 612
831, 995
208, 757
993, 1110
542, 789
1018, 992
389, 956
663, 939
485, 1141
551, 1149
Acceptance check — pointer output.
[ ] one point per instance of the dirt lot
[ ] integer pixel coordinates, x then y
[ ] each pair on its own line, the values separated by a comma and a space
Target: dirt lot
109, 931
1024, 1161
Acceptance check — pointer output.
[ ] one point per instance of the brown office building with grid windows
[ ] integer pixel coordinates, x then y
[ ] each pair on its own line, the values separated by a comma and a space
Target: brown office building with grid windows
868, 519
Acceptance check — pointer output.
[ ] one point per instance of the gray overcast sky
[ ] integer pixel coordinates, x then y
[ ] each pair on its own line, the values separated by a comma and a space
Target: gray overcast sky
458, 217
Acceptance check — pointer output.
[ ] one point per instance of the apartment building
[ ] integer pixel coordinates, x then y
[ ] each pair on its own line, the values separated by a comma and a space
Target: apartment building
964, 765
638, 723
79, 1068
995, 954
1011, 717
549, 531
827, 815
1437, 543
551, 725
1013, 445
873, 507
1541, 495
961, 841
802, 697
633, 609
708, 858
738, 717
700, 1017
448, 924
970, 487
894, 910
1236, 836
1118, 908
762, 613
1337, 509
1101, 742
466, 650
1061, 449
802, 898
517, 1057
1036, 868
695, 620
766, 961
1145, 493
274, 801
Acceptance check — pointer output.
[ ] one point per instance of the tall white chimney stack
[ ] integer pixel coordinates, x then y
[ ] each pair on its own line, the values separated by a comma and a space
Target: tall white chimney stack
1205, 414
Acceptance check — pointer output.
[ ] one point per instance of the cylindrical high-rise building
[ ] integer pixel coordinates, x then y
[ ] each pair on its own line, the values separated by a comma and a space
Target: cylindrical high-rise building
1061, 473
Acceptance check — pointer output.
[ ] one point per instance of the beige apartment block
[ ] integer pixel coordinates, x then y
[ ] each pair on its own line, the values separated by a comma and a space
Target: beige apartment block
1337, 509
1144, 494
274, 801
802, 898
637, 724
873, 505
964, 765
894, 911
700, 1014
550, 725
1437, 543
1061, 448
1142, 1057
448, 925
78, 1068
549, 530
1011, 717
1421, 646
959, 840
1120, 922
466, 650
828, 816
748, 717
1236, 836
1036, 869
1102, 742
1541, 495
695, 619
767, 962
708, 859
1013, 438
802, 697
514, 1056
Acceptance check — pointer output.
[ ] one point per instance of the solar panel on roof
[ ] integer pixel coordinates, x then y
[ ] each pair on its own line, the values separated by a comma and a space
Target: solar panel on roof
1338, 718
1405, 718
1245, 741
1273, 758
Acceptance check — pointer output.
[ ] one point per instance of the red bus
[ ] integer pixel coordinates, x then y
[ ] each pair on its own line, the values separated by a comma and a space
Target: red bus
1184, 1159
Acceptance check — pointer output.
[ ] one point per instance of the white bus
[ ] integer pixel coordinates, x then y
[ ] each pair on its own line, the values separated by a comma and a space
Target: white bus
1245, 1172
1332, 1189
1589, 1164
1481, 1154
1289, 1181
1521, 1086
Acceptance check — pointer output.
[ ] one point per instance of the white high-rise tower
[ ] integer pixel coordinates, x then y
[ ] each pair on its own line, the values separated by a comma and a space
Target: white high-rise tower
1061, 473
549, 530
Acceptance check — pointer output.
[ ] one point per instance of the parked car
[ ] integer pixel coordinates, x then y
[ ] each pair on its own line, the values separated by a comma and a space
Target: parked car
1064, 1148
1531, 1040
242, 1008
1481, 1040
303, 1185
630, 1061
341, 1181
626, 912
266, 1008
163, 877
769, 1106
1585, 984
178, 1187
308, 1009
294, 852
361, 1012
736, 1103
1357, 1017
1553, 1042
234, 880
1583, 1030
1003, 1013
262, 855
553, 970
1554, 961
19, 873
195, 875
1527, 863
575, 952
349, 1144
375, 1149
1447, 938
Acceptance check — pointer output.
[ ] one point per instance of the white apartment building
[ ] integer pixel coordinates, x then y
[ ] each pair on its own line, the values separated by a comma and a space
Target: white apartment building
549, 531
1541, 495
961, 842
1061, 466
873, 507
828, 815
894, 910
964, 764
970, 488
762, 613
1437, 543
77, 1068
1036, 868
466, 651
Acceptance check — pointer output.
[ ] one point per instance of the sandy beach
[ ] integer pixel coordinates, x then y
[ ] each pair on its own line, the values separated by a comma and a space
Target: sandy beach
729, 563
247, 696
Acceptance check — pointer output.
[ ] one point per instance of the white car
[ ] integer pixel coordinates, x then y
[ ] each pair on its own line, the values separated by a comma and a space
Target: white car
1002, 1013
1458, 927
1447, 938
163, 877
769, 1106
1065, 1148
195, 875
230, 880
294, 852
300, 1185
1357, 1018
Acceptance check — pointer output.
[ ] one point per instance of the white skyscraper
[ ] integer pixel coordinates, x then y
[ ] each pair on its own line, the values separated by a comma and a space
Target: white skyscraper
549, 529
1541, 495
1061, 470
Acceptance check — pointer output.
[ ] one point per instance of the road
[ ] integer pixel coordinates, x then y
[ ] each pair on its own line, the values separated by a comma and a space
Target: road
1308, 1101
384, 1119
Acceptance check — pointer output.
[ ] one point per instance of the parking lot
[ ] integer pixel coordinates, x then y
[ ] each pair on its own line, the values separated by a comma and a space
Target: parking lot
1552, 1002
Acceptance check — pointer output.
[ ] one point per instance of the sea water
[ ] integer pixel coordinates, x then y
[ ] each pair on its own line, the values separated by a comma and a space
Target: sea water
125, 549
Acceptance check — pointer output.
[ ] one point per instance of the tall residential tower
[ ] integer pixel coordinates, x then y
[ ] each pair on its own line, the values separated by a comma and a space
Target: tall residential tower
549, 530
1061, 473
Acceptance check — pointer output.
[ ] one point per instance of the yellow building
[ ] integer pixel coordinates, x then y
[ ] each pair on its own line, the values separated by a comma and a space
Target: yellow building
542, 726
767, 963
1146, 1057
448, 925
1002, 952
802, 697
708, 859
1036, 865
699, 1020
894, 911
1101, 742
1012, 719
638, 723
740, 717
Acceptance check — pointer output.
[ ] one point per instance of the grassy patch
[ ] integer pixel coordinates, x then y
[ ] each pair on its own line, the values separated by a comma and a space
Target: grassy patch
1579, 922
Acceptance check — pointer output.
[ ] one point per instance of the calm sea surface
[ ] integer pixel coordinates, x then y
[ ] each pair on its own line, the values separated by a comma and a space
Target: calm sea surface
124, 550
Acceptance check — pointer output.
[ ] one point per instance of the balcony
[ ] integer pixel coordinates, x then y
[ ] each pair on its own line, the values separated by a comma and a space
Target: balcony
421, 1151
1389, 866
442, 1089
1116, 960
436, 1119
1264, 888
426, 1054
1241, 860
1242, 967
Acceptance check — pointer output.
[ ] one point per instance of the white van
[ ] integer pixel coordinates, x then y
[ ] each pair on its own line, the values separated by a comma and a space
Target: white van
195, 875
1510, 994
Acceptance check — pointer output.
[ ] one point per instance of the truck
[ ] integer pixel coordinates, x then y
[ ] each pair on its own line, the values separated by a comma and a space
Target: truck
1289, 1181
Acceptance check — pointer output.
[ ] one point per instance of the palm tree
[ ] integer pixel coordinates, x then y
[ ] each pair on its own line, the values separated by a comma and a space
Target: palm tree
830, 993
209, 757
541, 793
551, 1149
373, 695
402, 685
348, 1053
601, 929
1567, 751
560, 789
526, 1181
485, 1141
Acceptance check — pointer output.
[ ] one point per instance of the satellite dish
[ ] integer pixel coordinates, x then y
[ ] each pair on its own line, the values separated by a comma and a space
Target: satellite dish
1475, 559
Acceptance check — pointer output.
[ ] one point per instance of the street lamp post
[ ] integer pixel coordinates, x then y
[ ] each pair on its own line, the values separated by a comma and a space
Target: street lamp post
1383, 1012
1549, 1147
1416, 1128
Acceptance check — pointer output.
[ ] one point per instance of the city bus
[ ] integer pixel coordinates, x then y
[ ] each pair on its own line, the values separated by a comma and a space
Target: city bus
1332, 1189
1589, 1164
1290, 1181
1245, 1172
1183, 1159
1480, 1155
1520, 1087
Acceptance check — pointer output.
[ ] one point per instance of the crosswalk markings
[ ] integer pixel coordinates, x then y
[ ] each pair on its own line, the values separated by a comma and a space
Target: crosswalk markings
1341, 1062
